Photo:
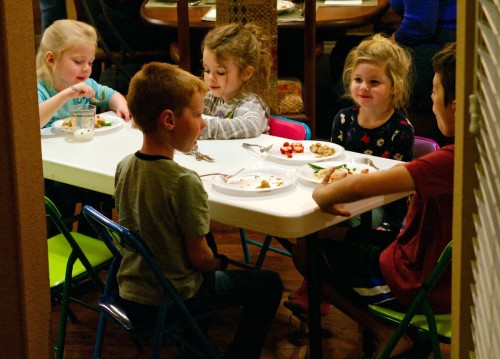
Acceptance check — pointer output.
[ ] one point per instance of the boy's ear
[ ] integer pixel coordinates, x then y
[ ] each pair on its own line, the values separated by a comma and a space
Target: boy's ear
247, 73
167, 119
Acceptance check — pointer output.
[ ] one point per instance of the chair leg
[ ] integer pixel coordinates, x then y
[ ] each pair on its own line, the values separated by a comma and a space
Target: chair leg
101, 329
244, 244
263, 251
63, 315
431, 322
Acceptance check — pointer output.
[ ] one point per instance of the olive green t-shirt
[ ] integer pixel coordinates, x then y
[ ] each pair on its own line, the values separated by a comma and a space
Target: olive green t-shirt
164, 203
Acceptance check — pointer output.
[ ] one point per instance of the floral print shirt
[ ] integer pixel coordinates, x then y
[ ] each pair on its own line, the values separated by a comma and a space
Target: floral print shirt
394, 139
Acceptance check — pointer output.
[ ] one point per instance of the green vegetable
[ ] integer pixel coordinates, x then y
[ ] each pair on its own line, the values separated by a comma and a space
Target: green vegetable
106, 124
315, 167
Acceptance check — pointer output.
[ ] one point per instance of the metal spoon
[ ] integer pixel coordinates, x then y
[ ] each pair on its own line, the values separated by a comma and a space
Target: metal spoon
365, 161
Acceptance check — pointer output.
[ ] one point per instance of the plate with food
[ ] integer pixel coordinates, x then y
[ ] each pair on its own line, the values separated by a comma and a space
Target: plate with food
313, 173
104, 122
284, 6
255, 181
302, 152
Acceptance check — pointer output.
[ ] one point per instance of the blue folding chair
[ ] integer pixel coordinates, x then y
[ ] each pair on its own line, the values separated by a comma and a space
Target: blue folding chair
116, 236
292, 130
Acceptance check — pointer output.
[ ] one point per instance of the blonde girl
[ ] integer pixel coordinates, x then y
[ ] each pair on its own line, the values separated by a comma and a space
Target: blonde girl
236, 69
377, 78
64, 64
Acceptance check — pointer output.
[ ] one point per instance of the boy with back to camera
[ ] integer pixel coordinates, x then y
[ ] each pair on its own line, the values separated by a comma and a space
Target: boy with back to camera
393, 274
167, 206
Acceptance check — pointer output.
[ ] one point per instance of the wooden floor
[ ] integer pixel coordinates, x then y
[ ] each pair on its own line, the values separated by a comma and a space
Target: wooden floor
287, 338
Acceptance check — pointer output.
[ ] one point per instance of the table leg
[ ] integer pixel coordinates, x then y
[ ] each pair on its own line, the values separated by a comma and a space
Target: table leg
313, 282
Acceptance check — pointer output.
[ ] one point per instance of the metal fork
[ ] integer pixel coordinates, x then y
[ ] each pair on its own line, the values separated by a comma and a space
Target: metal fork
224, 176
198, 155
262, 148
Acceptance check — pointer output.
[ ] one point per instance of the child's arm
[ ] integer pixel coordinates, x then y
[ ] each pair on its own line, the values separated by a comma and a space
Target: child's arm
201, 256
118, 103
49, 107
249, 119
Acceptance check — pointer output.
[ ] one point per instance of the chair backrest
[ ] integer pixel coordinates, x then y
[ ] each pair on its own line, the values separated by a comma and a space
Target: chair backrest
287, 128
423, 146
117, 237
77, 253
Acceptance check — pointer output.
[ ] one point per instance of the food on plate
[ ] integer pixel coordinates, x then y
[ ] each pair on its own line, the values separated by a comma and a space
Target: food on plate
321, 150
297, 147
100, 122
288, 149
67, 123
264, 184
340, 171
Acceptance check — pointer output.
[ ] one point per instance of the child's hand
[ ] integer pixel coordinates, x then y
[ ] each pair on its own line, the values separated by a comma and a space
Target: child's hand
118, 103
80, 90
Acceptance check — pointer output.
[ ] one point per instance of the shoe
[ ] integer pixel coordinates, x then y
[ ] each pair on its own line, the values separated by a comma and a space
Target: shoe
300, 307
299, 292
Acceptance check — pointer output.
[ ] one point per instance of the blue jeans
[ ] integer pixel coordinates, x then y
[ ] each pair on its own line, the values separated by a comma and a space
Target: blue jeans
256, 292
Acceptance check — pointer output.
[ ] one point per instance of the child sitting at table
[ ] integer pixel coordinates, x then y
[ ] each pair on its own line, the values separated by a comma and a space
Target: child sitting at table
64, 64
167, 206
392, 275
236, 67
376, 76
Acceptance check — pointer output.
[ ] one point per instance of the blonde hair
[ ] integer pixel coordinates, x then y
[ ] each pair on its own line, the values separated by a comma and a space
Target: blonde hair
396, 60
157, 87
59, 37
246, 45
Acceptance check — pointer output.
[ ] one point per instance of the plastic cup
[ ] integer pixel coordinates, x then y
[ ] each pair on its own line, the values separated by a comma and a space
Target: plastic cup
83, 121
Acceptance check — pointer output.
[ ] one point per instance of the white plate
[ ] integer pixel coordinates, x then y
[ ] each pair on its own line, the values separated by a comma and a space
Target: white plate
249, 181
306, 173
115, 123
284, 6
305, 157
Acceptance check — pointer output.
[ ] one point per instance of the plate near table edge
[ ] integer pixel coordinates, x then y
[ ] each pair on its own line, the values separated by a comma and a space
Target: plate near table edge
305, 174
115, 123
249, 181
284, 6
305, 157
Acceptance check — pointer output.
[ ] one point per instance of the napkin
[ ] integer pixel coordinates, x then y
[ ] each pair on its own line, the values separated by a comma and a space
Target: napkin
210, 15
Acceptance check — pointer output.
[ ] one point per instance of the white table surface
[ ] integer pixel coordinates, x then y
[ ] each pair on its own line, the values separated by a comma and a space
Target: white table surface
289, 214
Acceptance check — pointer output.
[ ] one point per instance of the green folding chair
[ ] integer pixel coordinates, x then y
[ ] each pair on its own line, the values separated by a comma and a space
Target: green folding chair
73, 258
437, 327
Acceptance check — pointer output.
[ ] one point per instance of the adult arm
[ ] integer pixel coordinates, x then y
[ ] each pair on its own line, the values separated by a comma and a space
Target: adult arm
329, 196
419, 21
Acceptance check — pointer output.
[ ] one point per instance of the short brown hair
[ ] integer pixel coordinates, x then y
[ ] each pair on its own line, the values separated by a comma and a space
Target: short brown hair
444, 64
157, 87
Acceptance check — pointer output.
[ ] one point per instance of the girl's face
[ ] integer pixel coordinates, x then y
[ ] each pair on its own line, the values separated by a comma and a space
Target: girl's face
445, 115
371, 87
224, 80
73, 66
189, 125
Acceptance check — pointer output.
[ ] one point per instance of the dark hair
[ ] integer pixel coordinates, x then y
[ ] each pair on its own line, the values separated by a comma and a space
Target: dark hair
444, 64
